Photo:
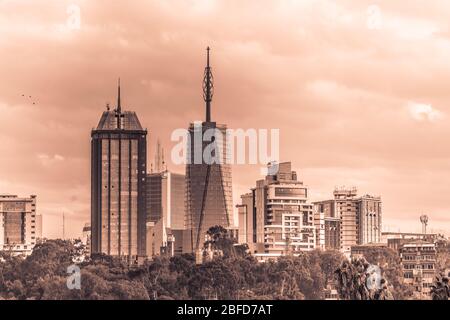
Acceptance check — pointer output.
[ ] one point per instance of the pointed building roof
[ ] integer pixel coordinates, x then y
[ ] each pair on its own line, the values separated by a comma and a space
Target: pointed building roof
129, 121
117, 119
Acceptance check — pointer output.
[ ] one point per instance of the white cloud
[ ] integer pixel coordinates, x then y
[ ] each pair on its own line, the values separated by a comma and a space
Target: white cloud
424, 112
47, 160
411, 29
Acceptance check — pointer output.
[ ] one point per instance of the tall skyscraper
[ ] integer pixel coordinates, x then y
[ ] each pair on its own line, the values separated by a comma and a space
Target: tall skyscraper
208, 181
118, 173
20, 225
278, 217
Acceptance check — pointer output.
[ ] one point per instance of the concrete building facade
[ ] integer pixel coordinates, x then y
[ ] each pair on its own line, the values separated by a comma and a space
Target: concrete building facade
370, 219
358, 220
418, 259
20, 224
328, 231
279, 218
165, 205
246, 220
86, 238
395, 240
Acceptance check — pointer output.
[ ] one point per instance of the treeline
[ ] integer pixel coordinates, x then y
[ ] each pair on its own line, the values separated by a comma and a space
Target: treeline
232, 275
43, 275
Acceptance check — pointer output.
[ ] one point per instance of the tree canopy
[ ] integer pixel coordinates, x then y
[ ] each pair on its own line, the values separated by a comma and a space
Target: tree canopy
233, 275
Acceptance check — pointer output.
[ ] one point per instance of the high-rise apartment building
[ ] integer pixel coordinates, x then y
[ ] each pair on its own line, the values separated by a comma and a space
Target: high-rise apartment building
357, 219
20, 225
208, 175
278, 217
118, 186
369, 210
347, 208
166, 206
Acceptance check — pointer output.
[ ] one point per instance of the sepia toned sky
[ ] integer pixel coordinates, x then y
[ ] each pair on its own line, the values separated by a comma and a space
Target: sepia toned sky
360, 91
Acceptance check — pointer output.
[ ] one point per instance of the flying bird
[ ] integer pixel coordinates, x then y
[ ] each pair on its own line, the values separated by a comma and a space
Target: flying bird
29, 97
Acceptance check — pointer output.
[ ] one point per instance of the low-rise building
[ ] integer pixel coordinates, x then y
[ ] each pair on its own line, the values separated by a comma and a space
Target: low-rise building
395, 240
86, 240
362, 250
330, 293
447, 273
160, 240
418, 259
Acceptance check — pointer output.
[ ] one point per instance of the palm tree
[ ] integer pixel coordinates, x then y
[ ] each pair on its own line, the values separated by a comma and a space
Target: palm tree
353, 278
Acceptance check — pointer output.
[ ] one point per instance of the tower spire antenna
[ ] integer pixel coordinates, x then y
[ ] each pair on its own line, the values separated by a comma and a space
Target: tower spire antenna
119, 107
208, 86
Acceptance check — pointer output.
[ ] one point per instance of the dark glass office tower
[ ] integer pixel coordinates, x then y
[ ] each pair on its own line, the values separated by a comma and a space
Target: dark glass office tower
208, 185
118, 173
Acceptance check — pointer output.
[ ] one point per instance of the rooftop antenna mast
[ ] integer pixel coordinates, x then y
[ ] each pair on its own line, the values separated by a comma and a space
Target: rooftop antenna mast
119, 107
158, 157
424, 221
164, 166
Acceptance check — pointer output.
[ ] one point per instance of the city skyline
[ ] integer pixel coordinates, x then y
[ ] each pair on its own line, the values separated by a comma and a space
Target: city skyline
380, 127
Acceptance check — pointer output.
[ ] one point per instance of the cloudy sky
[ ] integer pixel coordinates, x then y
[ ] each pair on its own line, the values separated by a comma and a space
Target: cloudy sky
359, 91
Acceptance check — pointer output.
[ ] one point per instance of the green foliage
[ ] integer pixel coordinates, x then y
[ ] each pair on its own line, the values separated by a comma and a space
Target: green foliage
441, 288
233, 275
221, 241
43, 275
389, 262
442, 255
353, 275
